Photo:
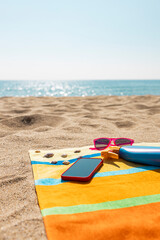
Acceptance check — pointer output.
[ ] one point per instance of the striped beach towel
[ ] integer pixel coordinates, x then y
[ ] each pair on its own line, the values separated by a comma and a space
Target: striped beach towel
122, 201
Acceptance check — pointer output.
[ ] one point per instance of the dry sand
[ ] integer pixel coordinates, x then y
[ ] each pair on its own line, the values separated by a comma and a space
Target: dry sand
52, 123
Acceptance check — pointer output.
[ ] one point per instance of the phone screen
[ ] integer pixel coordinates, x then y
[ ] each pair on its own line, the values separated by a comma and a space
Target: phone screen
83, 167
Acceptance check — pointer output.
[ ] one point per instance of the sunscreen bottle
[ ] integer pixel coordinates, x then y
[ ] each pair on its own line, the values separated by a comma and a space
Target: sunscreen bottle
138, 154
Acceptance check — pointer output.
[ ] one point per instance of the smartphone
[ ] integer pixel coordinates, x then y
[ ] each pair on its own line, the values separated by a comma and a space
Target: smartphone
83, 169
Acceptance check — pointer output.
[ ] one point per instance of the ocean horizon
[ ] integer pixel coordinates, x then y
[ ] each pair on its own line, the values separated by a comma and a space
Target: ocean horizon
21, 88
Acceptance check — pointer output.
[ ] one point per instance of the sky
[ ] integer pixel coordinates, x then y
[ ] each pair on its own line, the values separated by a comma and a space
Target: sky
79, 40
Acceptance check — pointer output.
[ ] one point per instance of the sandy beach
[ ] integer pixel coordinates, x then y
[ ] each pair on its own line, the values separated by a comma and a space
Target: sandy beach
54, 123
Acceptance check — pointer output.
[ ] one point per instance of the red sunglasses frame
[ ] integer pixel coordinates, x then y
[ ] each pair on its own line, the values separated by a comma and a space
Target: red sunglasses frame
110, 142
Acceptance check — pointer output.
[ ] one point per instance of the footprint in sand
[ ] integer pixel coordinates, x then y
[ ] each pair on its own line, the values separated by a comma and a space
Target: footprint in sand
124, 124
32, 121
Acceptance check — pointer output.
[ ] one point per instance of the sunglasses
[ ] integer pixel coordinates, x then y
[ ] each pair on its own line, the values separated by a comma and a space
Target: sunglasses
103, 143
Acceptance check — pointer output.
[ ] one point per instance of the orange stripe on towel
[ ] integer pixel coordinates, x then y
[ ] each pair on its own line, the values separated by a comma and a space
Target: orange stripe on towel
140, 222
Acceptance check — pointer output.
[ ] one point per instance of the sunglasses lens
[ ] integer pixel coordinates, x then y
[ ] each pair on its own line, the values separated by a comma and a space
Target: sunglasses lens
101, 143
122, 141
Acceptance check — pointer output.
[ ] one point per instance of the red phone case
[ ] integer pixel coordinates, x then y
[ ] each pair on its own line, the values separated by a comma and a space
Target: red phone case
83, 179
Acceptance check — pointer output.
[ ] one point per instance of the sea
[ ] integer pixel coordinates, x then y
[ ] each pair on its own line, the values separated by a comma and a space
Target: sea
79, 88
